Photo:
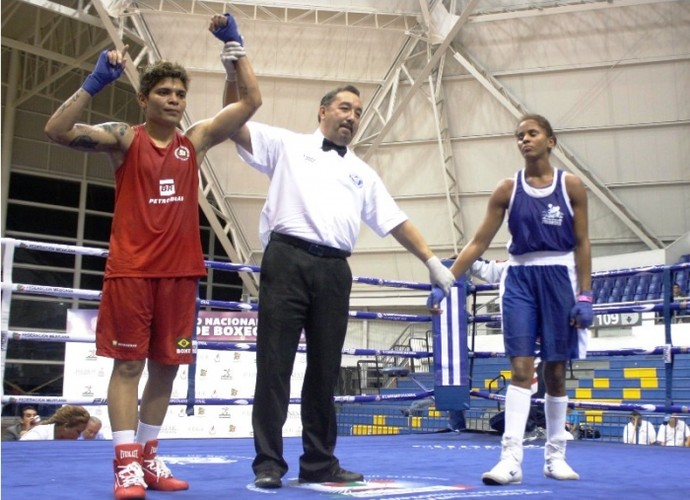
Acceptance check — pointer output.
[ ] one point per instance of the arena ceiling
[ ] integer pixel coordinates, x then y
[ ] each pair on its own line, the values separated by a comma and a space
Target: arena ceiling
443, 83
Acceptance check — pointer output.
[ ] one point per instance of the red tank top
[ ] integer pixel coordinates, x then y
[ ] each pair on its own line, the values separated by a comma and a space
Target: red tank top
155, 230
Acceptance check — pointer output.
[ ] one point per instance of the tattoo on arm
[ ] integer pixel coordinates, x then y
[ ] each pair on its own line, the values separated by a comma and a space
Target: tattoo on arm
118, 129
68, 103
84, 141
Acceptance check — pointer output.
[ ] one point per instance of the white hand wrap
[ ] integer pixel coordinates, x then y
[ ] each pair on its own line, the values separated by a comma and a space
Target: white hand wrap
232, 51
440, 275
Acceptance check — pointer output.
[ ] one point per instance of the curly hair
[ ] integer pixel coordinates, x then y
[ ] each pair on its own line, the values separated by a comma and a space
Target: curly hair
150, 75
70, 416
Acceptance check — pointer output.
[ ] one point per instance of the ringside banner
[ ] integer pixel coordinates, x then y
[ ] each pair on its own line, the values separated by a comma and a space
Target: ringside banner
220, 374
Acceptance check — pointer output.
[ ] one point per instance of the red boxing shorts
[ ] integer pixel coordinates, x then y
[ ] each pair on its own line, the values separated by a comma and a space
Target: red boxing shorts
147, 318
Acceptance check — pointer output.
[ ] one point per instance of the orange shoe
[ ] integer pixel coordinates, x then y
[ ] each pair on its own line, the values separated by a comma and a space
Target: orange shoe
129, 476
156, 474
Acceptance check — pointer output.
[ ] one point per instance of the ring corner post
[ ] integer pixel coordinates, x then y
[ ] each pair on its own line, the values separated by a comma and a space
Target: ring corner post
451, 360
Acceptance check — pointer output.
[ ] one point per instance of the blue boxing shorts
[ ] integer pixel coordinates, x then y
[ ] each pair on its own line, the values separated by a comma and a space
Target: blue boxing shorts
537, 294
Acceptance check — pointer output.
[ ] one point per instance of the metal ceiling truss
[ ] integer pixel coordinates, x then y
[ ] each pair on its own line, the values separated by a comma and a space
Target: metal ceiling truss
391, 99
124, 23
567, 157
294, 13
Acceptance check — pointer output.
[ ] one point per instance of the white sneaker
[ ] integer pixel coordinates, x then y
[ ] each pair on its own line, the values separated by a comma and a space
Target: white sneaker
507, 471
557, 468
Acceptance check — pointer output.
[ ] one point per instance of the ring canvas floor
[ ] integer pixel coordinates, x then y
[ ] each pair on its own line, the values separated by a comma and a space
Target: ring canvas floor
436, 466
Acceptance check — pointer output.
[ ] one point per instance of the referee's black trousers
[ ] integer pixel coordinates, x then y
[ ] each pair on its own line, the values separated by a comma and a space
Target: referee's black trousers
298, 291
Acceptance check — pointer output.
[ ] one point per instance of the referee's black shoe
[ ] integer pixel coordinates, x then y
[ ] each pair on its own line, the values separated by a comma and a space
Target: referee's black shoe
268, 480
335, 475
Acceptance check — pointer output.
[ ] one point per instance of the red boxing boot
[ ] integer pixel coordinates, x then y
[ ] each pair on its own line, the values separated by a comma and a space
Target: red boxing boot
129, 476
156, 473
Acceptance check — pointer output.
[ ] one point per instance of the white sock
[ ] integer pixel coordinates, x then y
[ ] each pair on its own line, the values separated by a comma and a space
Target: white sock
123, 437
146, 432
555, 409
517, 411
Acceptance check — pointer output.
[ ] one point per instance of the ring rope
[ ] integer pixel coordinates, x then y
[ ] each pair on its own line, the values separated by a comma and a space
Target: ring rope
62, 292
573, 403
250, 347
367, 398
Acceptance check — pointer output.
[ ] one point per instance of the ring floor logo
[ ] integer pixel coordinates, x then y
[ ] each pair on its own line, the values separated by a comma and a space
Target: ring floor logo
402, 488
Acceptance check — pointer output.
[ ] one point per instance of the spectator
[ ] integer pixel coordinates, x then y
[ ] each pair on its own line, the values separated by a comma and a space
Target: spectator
29, 419
639, 431
673, 432
66, 423
679, 315
93, 429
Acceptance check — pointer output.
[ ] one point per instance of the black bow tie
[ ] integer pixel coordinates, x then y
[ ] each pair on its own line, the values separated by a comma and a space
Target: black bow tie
328, 145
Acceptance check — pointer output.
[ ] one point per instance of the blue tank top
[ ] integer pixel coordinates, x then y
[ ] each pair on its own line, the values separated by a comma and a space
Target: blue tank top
540, 219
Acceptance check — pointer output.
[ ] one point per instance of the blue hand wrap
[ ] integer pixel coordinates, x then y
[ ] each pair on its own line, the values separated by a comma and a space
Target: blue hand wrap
582, 313
103, 74
229, 32
435, 297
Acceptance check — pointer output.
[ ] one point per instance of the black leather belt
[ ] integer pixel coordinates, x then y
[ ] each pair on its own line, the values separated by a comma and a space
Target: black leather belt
312, 248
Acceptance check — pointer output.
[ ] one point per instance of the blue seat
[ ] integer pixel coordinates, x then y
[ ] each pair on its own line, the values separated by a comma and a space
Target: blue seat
607, 284
654, 291
642, 288
626, 297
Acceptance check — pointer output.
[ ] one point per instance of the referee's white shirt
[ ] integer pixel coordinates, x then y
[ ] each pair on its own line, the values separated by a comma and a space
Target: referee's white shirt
315, 195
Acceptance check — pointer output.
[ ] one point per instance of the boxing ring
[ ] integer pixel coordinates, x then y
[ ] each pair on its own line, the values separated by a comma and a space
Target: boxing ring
410, 462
